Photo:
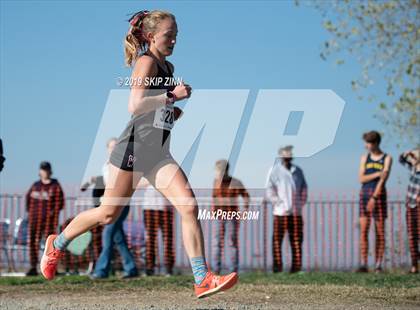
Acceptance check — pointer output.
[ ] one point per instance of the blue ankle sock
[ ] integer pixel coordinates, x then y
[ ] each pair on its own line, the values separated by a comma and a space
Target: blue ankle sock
199, 269
61, 242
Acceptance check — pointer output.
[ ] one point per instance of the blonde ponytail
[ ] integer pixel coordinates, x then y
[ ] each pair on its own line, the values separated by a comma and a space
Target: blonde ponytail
141, 23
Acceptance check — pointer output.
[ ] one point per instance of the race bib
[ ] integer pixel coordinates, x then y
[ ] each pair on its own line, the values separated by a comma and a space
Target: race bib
164, 118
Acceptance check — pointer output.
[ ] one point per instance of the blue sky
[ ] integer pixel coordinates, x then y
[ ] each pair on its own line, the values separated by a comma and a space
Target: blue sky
60, 61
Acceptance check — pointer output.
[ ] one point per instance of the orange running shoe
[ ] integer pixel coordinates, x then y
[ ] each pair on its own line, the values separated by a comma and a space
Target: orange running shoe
50, 258
212, 284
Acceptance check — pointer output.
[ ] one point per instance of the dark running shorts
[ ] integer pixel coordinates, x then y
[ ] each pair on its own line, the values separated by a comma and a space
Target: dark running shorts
379, 212
140, 154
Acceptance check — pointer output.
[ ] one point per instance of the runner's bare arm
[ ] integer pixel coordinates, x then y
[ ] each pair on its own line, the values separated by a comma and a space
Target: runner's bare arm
140, 100
384, 176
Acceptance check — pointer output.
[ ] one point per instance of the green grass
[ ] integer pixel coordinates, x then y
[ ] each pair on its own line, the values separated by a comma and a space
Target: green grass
335, 278
388, 280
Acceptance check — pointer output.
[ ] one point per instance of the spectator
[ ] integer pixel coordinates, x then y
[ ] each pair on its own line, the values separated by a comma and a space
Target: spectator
44, 201
226, 190
114, 234
411, 159
287, 192
375, 167
158, 214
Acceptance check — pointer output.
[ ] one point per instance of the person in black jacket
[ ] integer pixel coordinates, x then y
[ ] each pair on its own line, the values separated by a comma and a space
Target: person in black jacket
44, 201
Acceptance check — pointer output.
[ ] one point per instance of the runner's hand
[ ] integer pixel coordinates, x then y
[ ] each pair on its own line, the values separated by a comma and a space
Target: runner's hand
182, 91
370, 205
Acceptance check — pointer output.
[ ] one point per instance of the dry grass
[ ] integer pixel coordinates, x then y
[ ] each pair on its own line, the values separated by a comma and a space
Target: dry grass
255, 291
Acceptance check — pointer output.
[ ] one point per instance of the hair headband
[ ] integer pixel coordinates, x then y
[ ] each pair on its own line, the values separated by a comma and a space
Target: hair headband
137, 19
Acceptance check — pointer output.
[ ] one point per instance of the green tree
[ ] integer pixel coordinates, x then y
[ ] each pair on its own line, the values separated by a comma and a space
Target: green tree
384, 37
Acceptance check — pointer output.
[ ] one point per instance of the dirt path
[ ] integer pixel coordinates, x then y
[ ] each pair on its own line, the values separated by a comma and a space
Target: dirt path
245, 296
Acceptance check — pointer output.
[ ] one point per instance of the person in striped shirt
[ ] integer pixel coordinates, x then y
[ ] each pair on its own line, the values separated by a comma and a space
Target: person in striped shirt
411, 159
226, 191
44, 201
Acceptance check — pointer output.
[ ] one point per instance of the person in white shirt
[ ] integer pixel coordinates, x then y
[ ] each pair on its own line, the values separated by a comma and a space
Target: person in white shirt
158, 214
286, 191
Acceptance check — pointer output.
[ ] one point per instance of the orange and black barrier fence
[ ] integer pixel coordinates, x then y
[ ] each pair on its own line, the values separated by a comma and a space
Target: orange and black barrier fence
326, 237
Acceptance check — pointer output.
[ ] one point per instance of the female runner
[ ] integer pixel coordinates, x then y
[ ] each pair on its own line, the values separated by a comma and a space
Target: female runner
142, 150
